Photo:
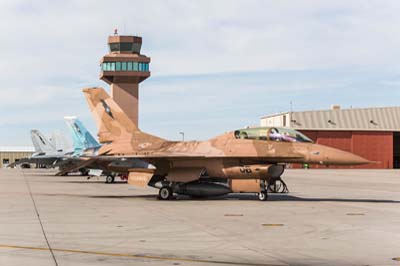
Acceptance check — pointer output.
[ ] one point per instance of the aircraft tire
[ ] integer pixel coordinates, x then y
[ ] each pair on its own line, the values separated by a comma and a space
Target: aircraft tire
165, 193
263, 196
110, 179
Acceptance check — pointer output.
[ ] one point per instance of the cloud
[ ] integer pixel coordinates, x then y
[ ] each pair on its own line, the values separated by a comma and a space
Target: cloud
221, 62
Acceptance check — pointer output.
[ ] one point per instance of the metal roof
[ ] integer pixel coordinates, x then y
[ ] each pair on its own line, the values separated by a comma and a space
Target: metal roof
365, 119
17, 149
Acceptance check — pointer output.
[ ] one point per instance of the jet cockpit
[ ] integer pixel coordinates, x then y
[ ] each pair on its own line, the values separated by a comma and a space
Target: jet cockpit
272, 134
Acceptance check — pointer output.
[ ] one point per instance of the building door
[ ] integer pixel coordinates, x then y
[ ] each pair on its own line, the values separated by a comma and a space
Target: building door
6, 162
396, 150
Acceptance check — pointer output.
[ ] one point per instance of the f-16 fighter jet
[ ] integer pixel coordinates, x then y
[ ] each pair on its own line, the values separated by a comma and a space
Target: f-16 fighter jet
230, 163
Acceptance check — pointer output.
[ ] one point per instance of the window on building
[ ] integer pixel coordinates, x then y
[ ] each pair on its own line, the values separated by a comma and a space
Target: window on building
284, 120
118, 66
114, 47
129, 66
126, 46
136, 47
6, 161
123, 66
135, 66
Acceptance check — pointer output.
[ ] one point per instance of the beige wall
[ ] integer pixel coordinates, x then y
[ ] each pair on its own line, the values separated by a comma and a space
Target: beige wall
12, 156
282, 120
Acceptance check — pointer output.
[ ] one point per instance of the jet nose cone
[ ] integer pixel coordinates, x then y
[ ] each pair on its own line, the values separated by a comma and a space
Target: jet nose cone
332, 156
347, 158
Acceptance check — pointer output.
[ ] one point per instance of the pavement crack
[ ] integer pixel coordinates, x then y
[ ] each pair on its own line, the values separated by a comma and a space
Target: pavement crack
40, 220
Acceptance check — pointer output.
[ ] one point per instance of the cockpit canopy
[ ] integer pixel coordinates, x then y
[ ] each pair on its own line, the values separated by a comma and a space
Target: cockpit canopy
272, 134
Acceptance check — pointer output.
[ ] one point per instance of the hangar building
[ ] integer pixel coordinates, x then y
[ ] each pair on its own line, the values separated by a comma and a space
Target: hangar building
9, 155
373, 133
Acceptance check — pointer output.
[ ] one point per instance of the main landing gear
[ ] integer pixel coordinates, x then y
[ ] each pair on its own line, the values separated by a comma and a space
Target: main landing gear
263, 194
165, 193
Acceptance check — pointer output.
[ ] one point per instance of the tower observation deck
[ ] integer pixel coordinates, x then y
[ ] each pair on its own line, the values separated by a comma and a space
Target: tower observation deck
124, 68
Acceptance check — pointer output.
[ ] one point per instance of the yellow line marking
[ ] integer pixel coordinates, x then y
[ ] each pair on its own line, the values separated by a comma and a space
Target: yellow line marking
272, 224
131, 255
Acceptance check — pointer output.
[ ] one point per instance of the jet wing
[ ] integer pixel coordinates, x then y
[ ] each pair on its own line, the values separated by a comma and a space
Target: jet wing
76, 166
49, 161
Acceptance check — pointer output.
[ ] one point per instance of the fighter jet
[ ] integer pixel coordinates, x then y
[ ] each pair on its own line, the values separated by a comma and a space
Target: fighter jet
86, 144
230, 163
47, 155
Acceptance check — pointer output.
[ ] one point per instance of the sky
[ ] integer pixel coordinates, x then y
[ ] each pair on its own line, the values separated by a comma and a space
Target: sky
215, 65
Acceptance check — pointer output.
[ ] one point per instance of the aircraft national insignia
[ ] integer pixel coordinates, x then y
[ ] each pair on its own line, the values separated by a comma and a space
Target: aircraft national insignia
107, 108
77, 129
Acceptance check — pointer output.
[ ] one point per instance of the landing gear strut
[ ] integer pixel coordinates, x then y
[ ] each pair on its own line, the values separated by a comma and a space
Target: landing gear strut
277, 186
165, 193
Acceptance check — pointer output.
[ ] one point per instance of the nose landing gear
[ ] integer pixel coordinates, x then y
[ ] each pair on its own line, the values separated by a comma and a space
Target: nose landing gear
277, 186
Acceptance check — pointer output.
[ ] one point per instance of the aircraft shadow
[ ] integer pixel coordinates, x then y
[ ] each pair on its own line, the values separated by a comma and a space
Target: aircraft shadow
92, 182
274, 197
294, 198
248, 197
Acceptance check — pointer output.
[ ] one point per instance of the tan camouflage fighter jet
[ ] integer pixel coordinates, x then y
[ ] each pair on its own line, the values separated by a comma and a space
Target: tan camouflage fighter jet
241, 161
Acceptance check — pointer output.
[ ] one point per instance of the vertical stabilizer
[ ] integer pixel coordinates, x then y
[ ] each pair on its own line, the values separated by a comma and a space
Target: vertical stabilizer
112, 123
82, 139
41, 143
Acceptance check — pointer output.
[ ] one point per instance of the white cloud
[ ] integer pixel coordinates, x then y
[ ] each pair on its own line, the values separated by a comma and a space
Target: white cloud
50, 49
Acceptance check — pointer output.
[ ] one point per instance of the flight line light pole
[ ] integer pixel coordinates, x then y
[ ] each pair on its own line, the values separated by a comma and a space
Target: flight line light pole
183, 135
124, 68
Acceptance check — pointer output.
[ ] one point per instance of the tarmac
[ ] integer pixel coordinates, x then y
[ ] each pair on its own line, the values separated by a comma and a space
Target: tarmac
330, 217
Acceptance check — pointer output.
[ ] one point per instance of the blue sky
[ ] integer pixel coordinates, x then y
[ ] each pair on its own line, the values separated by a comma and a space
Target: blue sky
216, 65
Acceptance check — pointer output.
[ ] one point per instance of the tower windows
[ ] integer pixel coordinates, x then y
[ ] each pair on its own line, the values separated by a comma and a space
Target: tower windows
125, 66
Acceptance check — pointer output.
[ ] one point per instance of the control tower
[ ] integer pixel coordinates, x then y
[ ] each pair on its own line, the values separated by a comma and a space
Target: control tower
124, 68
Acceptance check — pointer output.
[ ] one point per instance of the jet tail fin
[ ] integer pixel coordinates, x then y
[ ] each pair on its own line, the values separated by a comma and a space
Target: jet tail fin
82, 139
41, 143
113, 124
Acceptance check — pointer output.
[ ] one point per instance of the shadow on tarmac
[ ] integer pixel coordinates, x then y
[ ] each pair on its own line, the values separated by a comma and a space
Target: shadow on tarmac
272, 198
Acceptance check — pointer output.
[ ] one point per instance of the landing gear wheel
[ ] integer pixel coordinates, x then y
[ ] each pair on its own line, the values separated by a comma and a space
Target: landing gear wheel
84, 171
165, 193
110, 179
263, 196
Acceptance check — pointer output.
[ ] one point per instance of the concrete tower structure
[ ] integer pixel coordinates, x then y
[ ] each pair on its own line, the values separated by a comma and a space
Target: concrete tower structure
124, 68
